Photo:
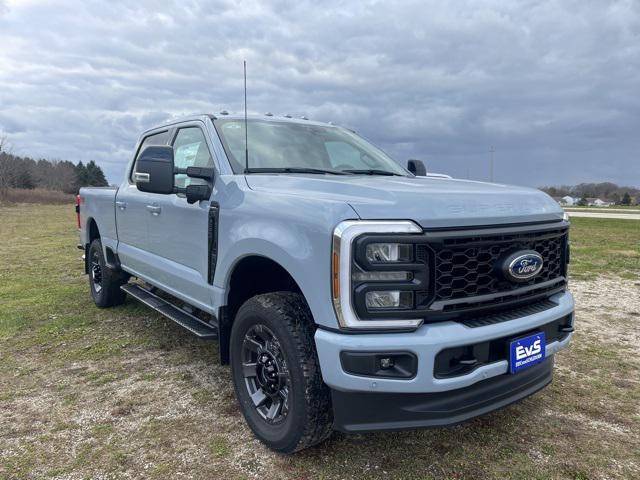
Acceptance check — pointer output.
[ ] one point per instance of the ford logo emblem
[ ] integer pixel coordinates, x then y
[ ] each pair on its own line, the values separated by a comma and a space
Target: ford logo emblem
522, 266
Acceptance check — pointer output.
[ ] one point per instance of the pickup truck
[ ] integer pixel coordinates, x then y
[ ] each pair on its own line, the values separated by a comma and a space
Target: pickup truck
346, 291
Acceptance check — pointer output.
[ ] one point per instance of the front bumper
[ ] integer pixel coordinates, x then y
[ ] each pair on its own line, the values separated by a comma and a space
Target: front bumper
356, 412
426, 342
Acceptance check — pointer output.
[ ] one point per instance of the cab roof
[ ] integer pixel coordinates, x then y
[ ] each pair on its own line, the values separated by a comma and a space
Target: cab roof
227, 116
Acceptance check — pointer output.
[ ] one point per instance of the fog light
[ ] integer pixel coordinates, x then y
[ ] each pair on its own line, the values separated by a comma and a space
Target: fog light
389, 252
389, 299
386, 362
399, 365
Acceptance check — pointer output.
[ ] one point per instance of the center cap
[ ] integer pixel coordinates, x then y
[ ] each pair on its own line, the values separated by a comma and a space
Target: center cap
267, 370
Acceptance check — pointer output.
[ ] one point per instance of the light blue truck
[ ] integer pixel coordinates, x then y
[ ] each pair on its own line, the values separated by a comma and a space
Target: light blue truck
346, 292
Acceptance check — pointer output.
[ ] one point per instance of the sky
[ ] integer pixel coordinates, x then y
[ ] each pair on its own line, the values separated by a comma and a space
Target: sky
553, 86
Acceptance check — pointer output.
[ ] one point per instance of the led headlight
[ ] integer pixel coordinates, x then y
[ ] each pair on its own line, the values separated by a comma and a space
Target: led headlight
389, 252
383, 300
381, 276
392, 299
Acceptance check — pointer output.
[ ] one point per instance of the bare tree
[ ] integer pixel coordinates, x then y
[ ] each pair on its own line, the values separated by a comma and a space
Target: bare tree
4, 143
6, 173
5, 169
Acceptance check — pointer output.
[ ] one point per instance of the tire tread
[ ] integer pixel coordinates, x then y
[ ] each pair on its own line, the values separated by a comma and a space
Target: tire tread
292, 309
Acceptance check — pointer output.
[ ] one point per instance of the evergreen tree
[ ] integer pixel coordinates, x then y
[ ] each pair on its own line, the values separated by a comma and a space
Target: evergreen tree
626, 199
81, 173
95, 175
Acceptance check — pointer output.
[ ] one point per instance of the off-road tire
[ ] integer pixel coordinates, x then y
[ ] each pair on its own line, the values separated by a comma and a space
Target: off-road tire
108, 293
309, 420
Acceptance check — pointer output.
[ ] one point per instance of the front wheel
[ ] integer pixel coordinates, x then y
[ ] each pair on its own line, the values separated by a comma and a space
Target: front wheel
276, 374
104, 282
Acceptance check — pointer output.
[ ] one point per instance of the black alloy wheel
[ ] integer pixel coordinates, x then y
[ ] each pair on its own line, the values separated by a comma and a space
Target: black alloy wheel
276, 373
265, 373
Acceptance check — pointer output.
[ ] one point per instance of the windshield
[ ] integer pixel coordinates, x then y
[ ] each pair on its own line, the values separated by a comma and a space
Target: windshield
287, 146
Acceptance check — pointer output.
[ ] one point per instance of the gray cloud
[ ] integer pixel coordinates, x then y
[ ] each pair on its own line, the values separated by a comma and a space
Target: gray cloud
553, 85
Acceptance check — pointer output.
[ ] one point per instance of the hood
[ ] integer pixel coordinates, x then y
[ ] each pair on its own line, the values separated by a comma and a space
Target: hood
431, 202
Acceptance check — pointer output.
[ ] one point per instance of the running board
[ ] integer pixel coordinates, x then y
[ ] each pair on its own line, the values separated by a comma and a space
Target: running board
192, 323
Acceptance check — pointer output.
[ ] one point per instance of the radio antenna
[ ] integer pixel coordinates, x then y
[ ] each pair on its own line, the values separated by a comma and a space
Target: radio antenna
246, 123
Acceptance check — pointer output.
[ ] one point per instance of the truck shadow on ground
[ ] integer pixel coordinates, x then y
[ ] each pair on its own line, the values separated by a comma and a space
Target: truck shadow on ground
195, 370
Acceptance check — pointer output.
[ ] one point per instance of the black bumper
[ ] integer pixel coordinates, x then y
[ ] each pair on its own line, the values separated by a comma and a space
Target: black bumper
364, 411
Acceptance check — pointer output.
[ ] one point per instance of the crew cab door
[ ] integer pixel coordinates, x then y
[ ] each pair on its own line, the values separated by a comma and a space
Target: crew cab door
178, 231
131, 215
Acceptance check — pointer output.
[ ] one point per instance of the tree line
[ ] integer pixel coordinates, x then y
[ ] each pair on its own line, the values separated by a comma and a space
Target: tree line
63, 175
605, 191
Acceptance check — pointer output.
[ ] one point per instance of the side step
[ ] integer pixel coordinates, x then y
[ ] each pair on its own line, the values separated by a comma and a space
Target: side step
184, 319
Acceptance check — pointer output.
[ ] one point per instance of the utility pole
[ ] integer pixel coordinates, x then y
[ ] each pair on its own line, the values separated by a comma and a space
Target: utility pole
492, 150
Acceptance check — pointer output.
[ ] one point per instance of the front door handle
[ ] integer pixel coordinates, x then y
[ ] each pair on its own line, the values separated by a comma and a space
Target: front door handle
154, 209
121, 205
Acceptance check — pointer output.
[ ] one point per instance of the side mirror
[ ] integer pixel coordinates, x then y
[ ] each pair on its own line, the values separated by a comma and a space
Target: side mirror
155, 174
154, 170
417, 168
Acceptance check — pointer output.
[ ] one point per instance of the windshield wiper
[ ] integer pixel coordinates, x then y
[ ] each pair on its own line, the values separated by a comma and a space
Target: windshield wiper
373, 171
295, 170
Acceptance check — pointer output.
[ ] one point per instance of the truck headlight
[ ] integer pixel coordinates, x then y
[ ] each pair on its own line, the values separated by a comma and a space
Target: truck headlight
388, 299
374, 274
389, 252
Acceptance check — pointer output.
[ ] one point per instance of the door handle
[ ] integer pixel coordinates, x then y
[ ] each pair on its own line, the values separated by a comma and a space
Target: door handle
154, 209
121, 205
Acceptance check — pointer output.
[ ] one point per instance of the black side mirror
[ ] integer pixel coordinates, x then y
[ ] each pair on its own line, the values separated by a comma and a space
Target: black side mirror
154, 170
155, 174
417, 168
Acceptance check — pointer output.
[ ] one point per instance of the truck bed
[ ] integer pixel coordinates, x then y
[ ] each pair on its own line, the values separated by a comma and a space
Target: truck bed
98, 203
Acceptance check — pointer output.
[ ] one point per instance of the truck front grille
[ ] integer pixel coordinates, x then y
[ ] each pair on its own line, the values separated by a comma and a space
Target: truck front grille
467, 266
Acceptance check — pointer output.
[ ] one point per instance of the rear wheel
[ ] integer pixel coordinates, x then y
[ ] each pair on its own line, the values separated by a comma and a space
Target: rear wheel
276, 372
104, 282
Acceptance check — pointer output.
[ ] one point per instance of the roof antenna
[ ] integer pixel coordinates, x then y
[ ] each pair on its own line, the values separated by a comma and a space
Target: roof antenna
246, 123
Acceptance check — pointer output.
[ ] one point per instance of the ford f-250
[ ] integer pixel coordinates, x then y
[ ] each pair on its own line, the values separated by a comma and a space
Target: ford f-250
345, 291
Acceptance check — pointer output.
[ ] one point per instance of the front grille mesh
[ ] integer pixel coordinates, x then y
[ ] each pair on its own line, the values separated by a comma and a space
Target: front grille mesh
469, 266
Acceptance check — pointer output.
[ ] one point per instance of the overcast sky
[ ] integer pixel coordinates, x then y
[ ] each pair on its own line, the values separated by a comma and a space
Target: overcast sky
553, 85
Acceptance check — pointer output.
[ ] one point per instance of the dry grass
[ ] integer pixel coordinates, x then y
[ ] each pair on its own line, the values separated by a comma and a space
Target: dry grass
122, 393
36, 195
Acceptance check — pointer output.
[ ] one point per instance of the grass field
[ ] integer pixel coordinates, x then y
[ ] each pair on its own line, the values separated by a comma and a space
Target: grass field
122, 393
602, 246
602, 209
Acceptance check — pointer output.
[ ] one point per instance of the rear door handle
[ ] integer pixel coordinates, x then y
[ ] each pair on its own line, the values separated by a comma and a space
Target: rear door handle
121, 205
154, 209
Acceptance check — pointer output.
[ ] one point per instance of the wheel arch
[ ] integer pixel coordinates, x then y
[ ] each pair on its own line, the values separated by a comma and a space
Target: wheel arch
92, 233
251, 275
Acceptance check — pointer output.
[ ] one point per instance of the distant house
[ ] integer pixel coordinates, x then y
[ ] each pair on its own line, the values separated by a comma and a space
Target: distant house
567, 200
596, 202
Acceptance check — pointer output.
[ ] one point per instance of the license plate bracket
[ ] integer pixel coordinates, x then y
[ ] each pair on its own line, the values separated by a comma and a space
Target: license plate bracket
524, 352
